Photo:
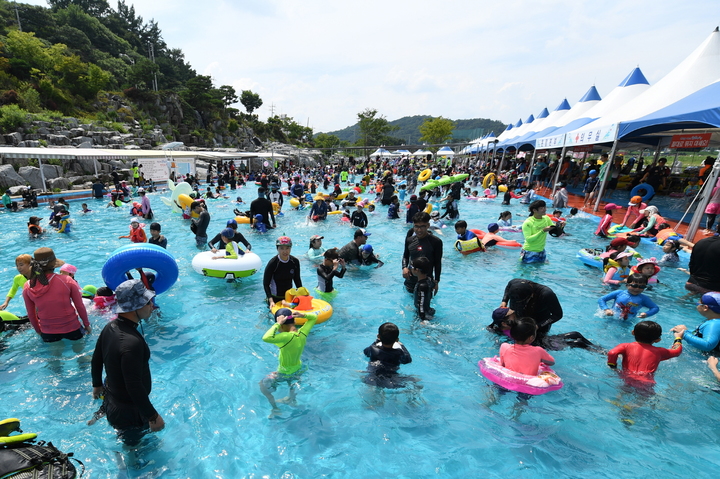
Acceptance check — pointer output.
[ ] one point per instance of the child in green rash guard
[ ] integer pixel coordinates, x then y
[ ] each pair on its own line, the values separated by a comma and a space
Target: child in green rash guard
291, 341
535, 229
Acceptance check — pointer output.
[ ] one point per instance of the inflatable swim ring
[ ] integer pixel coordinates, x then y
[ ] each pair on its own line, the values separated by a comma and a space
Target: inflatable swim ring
242, 220
643, 186
242, 267
488, 178
276, 208
141, 255
177, 190
428, 209
508, 244
502, 188
10, 425
460, 177
294, 202
511, 229
469, 246
544, 382
591, 257
425, 175
321, 308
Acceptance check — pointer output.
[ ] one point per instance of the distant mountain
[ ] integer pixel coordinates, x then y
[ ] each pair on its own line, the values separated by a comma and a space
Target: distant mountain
409, 133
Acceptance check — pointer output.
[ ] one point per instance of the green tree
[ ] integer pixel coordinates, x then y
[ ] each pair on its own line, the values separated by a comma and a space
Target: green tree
251, 101
436, 130
373, 129
323, 140
229, 95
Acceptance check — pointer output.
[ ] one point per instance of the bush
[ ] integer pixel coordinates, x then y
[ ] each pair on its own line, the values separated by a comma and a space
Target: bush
233, 126
12, 117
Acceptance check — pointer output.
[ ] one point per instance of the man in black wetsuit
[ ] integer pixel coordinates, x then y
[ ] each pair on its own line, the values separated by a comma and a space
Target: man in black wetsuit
125, 355
421, 243
704, 271
263, 206
238, 238
281, 272
534, 300
200, 224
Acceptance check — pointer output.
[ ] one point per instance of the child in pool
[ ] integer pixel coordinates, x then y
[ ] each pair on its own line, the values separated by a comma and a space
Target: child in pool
104, 299
606, 221
68, 270
647, 267
629, 302
435, 222
137, 233
386, 354
259, 225
394, 208
367, 257
424, 288
670, 248
34, 227
85, 208
522, 357
332, 267
291, 342
641, 359
155, 237
64, 223
617, 268
502, 319
316, 250
232, 250
463, 234
505, 219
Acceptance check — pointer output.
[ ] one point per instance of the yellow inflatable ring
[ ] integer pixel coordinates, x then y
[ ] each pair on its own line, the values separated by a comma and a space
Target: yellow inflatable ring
488, 178
341, 196
242, 220
425, 175
276, 208
428, 208
502, 188
321, 308
294, 202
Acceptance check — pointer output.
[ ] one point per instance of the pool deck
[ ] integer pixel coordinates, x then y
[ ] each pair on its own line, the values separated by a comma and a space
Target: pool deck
575, 200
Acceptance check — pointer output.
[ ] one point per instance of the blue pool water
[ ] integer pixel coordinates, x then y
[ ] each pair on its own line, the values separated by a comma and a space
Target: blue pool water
208, 357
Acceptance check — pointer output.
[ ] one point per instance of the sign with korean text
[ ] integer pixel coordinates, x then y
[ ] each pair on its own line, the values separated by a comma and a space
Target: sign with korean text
698, 140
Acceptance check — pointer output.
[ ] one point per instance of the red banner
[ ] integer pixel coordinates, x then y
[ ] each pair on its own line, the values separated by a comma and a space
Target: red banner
699, 140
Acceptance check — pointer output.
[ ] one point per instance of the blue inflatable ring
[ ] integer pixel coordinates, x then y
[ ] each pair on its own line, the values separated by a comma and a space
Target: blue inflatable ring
643, 186
141, 255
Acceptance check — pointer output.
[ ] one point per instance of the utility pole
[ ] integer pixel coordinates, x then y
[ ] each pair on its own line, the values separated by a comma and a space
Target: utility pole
272, 110
17, 15
151, 56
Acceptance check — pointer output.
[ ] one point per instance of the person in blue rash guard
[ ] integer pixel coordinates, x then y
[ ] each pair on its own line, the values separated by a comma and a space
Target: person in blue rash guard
707, 336
463, 234
629, 302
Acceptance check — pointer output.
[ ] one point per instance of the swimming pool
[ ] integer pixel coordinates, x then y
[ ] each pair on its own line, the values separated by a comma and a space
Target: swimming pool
208, 357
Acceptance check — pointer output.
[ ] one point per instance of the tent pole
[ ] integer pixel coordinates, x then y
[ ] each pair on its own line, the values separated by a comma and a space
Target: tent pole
528, 173
608, 167
95, 162
700, 211
557, 170
502, 160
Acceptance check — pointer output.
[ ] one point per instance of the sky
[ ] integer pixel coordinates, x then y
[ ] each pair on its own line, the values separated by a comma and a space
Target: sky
323, 62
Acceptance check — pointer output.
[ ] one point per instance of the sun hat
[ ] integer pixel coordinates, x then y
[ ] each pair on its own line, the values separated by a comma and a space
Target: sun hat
132, 295
711, 300
45, 257
644, 261
612, 206
624, 254
68, 268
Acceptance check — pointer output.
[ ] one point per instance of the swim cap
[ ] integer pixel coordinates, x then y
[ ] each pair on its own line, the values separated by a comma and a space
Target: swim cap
228, 233
366, 248
68, 268
493, 227
592, 172
499, 315
284, 312
231, 223
283, 241
712, 301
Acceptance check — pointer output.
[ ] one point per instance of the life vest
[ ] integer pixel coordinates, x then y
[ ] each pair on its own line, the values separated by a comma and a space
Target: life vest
662, 235
620, 273
304, 303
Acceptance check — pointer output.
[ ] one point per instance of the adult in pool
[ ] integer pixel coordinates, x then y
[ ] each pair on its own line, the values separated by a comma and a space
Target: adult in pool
529, 299
535, 230
125, 355
704, 271
420, 243
237, 237
281, 272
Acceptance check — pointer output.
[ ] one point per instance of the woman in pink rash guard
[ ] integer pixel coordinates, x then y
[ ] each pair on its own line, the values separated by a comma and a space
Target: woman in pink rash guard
49, 299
